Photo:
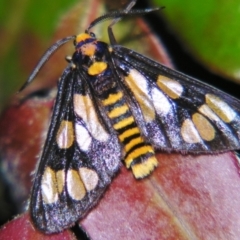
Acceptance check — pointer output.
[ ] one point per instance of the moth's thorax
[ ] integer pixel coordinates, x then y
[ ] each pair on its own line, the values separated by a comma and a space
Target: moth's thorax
90, 54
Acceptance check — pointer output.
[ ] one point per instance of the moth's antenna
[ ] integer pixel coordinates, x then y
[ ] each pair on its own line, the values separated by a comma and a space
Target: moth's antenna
118, 15
110, 32
45, 57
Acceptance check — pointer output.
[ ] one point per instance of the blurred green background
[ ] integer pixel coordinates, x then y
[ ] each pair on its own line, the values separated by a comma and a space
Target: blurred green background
209, 29
25, 30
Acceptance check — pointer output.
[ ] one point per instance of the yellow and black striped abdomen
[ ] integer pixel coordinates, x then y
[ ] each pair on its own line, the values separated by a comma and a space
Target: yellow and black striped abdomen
138, 154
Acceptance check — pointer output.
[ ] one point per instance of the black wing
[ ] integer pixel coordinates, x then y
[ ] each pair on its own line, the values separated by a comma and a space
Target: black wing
78, 161
179, 113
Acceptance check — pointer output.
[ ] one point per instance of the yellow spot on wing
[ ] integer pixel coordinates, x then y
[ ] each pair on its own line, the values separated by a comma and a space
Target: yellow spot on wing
60, 176
97, 68
136, 153
49, 186
118, 111
143, 169
171, 87
222, 109
128, 133
75, 186
65, 135
123, 123
189, 132
89, 178
83, 137
161, 102
207, 111
112, 98
84, 108
138, 84
204, 127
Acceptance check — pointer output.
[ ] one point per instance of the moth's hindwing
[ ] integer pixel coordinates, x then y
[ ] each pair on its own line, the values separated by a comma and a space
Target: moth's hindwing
179, 113
79, 159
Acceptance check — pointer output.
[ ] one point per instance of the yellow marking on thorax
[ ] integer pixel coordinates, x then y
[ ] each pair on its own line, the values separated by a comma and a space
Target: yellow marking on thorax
82, 37
123, 123
112, 98
137, 153
128, 133
89, 49
97, 68
118, 111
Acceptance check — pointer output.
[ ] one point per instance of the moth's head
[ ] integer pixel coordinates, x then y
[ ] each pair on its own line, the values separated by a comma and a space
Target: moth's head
90, 53
84, 38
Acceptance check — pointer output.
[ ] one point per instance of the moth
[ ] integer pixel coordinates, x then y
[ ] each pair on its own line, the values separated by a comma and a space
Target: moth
113, 105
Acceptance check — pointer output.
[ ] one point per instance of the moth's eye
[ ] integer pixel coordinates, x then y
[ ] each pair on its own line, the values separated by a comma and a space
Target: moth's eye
92, 35
98, 56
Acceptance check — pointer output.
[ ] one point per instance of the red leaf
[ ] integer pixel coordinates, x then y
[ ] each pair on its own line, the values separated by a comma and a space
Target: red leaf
187, 197
22, 126
21, 228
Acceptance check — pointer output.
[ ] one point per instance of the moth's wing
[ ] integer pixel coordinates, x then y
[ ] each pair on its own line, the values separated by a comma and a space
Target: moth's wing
78, 161
178, 113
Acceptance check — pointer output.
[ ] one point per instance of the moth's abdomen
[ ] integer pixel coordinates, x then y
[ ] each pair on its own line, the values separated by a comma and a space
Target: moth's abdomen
138, 154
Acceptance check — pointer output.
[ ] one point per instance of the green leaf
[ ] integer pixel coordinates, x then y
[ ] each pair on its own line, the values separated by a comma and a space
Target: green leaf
209, 30
23, 24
